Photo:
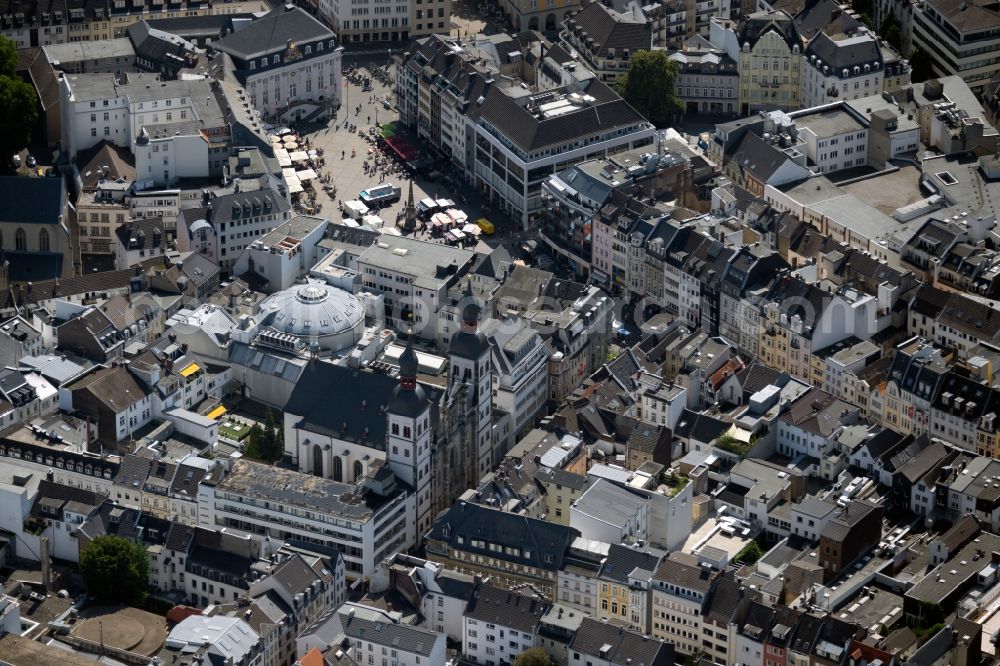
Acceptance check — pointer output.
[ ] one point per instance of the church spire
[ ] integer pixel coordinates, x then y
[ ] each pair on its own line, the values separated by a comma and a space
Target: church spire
408, 367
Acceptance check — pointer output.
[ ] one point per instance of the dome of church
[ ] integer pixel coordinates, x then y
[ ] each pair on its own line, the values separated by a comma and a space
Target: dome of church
331, 317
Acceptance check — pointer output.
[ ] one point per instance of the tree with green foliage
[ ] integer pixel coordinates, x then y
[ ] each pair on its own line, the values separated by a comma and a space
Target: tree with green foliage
650, 86
265, 443
8, 57
270, 435
750, 553
921, 66
18, 104
535, 656
731, 444
115, 569
254, 445
863, 6
892, 32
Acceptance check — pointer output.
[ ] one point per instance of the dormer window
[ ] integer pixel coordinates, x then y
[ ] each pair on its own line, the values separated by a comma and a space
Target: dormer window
319, 46
275, 59
253, 65
309, 50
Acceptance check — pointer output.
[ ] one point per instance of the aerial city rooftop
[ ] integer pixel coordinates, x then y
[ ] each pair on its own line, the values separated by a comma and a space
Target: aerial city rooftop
501, 333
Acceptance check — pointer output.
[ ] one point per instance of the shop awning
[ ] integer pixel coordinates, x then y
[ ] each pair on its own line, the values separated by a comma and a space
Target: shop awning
190, 370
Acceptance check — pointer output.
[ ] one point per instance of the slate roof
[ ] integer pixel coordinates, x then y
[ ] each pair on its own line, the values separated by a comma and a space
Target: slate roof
816, 412
179, 537
50, 288
530, 133
757, 620
133, 471
623, 560
756, 376
105, 154
844, 53
929, 301
403, 637
507, 608
245, 203
723, 600
611, 30
541, 544
63, 495
345, 403
294, 574
839, 528
823, 15
622, 646
758, 157
272, 32
44, 78
806, 633
978, 320
115, 387
700, 427
186, 480
31, 201
977, 399
684, 575
758, 24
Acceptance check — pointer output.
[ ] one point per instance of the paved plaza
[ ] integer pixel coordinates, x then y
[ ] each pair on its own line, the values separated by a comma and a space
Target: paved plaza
365, 110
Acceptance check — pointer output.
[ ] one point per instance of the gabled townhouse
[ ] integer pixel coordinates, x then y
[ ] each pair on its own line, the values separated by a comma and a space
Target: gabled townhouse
359, 631
810, 427
624, 579
961, 323
112, 399
779, 636
757, 163
27, 395
915, 373
964, 411
752, 630
577, 579
561, 489
18, 338
92, 335
605, 644
726, 602
749, 270
768, 49
58, 513
440, 593
520, 373
679, 589
853, 532
500, 624
509, 548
